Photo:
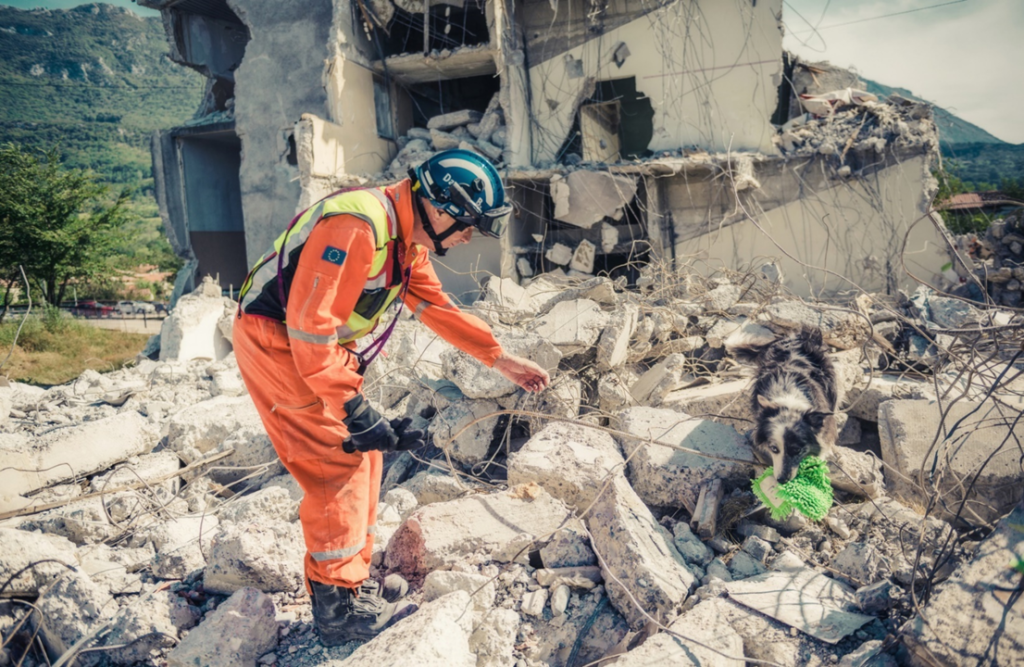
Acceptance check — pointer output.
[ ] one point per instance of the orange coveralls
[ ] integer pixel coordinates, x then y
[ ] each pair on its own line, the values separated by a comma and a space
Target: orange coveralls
300, 387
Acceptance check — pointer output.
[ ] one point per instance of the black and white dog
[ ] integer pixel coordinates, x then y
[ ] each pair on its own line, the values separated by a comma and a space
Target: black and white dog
794, 398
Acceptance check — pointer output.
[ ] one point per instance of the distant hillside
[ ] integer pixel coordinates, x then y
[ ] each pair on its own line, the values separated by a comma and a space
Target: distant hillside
97, 79
981, 160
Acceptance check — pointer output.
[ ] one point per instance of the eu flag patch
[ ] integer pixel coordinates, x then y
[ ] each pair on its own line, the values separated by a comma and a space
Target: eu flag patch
334, 255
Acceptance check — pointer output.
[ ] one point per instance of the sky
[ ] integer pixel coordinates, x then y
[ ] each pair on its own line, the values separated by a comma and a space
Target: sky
964, 55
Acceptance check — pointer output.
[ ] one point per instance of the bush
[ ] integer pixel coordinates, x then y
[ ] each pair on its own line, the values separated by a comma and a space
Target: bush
55, 321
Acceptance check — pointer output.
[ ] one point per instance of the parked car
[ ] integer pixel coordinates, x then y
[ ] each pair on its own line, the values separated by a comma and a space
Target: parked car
92, 308
125, 307
143, 308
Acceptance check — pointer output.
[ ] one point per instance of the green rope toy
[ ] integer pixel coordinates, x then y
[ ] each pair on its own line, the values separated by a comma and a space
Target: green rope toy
810, 492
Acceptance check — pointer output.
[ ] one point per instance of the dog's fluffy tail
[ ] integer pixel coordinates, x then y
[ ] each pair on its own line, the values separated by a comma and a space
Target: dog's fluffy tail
746, 343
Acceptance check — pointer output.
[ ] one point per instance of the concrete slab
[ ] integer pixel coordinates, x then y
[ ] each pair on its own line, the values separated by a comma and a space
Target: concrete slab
724, 402
437, 536
240, 630
572, 326
667, 477
585, 198
803, 599
973, 449
972, 618
265, 556
639, 559
568, 461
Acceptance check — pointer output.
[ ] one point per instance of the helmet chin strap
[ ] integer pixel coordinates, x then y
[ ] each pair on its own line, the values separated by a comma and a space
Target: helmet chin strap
436, 238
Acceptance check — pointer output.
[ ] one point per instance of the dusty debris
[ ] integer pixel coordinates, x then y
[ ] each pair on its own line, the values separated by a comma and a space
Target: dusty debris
484, 522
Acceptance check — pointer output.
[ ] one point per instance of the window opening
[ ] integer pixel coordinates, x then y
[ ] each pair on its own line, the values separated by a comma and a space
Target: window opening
382, 104
451, 27
616, 112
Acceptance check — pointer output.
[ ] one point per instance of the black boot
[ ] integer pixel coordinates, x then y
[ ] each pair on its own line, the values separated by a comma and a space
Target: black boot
343, 615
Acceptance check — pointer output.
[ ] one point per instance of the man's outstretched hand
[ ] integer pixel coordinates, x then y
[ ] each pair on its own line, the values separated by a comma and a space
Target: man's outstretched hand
522, 372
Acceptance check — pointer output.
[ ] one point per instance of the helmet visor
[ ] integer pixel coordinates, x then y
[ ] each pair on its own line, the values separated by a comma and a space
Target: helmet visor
490, 223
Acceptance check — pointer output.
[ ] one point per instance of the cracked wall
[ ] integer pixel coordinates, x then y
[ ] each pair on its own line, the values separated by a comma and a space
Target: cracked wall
711, 70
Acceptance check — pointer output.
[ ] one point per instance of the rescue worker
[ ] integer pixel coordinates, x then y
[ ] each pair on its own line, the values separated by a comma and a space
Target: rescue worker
329, 277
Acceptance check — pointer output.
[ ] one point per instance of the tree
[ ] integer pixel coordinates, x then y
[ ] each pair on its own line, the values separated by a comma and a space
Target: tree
56, 222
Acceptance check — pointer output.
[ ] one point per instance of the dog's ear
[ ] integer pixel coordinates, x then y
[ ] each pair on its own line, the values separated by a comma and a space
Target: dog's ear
816, 419
765, 403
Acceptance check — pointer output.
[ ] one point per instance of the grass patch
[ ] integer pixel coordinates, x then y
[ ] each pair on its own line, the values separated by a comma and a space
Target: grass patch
54, 350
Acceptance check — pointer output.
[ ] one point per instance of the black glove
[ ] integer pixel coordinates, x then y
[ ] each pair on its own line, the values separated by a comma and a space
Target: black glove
369, 431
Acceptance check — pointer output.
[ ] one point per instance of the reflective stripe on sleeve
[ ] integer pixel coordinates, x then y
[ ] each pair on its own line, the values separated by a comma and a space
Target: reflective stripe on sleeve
347, 552
423, 305
315, 339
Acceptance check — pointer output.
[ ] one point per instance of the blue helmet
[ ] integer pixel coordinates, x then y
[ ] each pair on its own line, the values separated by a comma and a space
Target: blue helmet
467, 187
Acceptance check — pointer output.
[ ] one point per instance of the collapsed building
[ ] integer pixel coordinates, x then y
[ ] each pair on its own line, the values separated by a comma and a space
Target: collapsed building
627, 133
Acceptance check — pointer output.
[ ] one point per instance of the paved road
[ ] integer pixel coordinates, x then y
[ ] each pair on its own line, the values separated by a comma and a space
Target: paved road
136, 324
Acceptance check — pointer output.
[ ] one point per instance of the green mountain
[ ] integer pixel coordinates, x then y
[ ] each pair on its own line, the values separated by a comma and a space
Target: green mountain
97, 80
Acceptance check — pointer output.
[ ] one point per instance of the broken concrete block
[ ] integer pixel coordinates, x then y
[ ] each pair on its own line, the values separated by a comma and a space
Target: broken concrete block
839, 329
534, 602
725, 402
420, 133
562, 399
145, 468
266, 556
722, 298
572, 326
971, 617
442, 582
477, 381
559, 253
613, 389
442, 141
72, 452
743, 566
663, 378
692, 549
489, 149
150, 622
70, 608
803, 599
505, 293
437, 487
583, 257
878, 597
868, 654
240, 630
856, 472
569, 461
759, 549
849, 429
499, 137
457, 430
584, 198
524, 267
493, 640
559, 599
271, 503
979, 455
437, 635
613, 346
862, 563
668, 477
437, 536
705, 623
454, 119
403, 500
638, 555
569, 547
191, 331
220, 423
864, 398
609, 237
730, 333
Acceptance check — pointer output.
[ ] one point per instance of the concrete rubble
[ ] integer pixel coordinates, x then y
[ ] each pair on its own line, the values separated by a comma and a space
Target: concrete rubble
553, 529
